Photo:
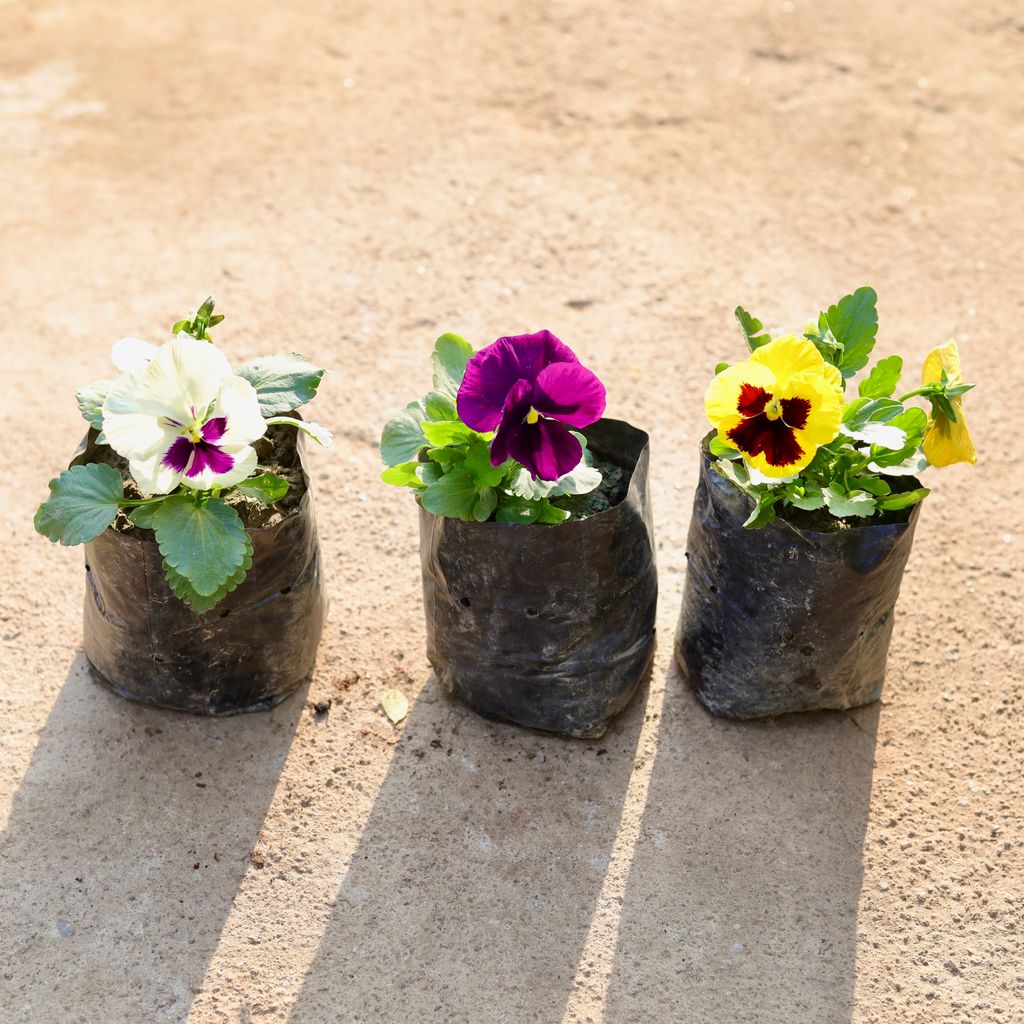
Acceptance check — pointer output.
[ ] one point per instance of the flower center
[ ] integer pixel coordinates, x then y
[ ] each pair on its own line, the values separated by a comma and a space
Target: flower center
773, 410
532, 416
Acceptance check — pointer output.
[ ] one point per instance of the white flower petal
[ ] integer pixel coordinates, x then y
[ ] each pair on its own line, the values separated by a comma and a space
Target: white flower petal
879, 433
239, 402
182, 379
757, 477
245, 462
130, 432
152, 476
129, 354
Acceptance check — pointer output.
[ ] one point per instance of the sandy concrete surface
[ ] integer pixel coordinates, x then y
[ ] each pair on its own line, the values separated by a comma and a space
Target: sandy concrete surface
349, 180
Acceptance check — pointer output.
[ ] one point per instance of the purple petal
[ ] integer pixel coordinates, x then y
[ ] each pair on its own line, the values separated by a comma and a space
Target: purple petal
517, 405
570, 393
493, 371
178, 454
545, 448
209, 456
213, 430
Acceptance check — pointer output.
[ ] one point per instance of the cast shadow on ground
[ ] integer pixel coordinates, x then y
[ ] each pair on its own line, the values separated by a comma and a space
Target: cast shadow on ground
129, 835
477, 873
741, 902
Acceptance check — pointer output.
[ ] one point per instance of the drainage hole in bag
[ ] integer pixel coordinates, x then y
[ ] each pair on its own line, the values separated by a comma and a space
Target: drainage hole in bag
465, 602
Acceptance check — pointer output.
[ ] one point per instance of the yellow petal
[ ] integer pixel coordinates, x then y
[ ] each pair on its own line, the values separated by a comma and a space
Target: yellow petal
789, 356
946, 442
834, 377
721, 400
826, 412
943, 357
760, 462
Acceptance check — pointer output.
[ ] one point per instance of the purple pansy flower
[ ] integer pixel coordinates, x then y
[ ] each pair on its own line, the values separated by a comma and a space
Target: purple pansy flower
531, 388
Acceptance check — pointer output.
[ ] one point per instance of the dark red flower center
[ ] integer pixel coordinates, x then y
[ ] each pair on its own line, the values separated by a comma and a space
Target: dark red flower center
769, 428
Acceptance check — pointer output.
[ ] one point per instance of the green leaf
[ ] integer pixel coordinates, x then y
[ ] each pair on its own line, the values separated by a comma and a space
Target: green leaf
486, 503
720, 450
763, 512
184, 590
872, 484
205, 542
318, 433
405, 474
447, 432
841, 504
440, 406
449, 358
83, 502
282, 382
882, 380
402, 438
264, 489
903, 500
517, 510
551, 514
862, 411
90, 402
853, 321
454, 495
142, 516
478, 462
753, 330
581, 480
809, 499
719, 367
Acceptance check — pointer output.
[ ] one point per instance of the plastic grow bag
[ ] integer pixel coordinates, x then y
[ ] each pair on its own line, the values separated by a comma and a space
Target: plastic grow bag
782, 619
550, 627
247, 653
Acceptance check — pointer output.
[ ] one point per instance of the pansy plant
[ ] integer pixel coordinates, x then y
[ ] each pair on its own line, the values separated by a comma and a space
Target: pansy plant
789, 434
495, 438
186, 423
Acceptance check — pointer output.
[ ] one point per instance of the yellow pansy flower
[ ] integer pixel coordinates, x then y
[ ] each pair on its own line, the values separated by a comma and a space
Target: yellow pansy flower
778, 407
946, 441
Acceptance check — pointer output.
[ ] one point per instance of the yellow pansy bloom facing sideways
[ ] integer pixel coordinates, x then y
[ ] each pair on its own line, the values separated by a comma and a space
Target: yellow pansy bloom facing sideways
946, 440
778, 407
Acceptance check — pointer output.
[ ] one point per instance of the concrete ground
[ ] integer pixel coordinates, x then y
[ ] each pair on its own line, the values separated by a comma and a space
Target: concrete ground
349, 180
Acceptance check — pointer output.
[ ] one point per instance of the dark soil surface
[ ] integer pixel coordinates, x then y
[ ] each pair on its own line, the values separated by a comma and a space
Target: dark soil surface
612, 489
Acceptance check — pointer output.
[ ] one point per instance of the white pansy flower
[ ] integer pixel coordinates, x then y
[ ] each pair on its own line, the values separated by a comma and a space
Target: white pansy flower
180, 416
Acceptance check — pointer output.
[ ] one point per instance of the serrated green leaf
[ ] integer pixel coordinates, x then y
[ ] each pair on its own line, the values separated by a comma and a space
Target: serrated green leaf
862, 411
90, 402
486, 503
405, 474
904, 499
752, 328
454, 495
807, 499
841, 504
448, 360
282, 382
265, 488
203, 542
551, 514
429, 473
184, 591
142, 516
440, 406
882, 380
447, 432
402, 438
478, 463
83, 502
853, 321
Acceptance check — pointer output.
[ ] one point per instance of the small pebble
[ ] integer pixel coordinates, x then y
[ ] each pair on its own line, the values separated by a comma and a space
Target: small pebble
65, 929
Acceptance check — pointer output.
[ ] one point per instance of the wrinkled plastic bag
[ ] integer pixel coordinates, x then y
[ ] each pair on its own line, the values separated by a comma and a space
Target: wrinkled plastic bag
550, 627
